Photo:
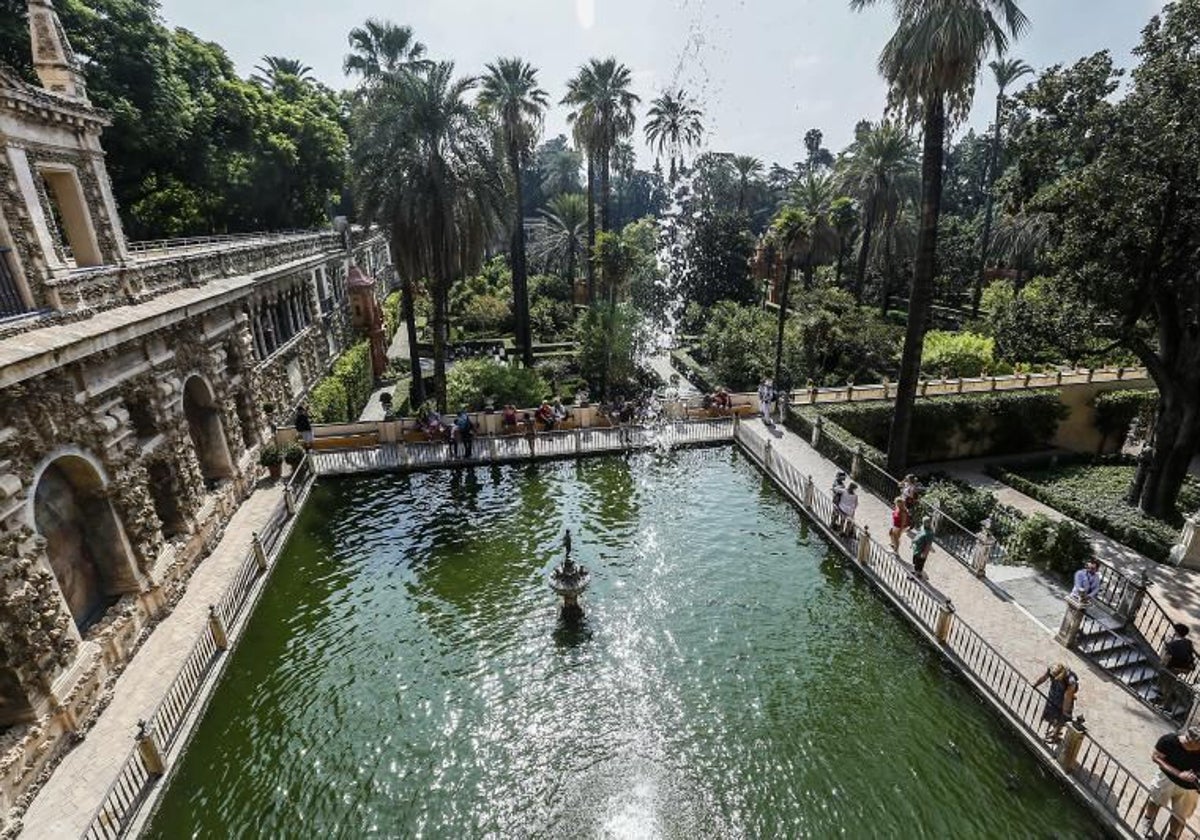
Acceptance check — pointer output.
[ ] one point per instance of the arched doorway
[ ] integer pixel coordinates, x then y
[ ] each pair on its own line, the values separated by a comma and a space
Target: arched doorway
85, 542
206, 431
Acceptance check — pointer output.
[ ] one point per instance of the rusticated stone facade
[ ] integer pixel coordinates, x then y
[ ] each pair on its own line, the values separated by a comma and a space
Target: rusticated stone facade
133, 381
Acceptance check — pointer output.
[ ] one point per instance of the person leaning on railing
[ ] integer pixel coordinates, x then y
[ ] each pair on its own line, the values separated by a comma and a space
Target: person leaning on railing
1087, 582
1178, 661
1177, 757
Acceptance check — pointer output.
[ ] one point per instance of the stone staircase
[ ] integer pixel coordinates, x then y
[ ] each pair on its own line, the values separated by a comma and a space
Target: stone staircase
1121, 651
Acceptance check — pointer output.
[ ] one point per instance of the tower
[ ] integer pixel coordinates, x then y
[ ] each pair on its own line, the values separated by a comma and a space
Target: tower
53, 59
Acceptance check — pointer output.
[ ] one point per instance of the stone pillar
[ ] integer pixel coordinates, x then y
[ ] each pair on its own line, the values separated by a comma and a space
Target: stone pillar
1068, 631
942, 628
982, 552
808, 492
1072, 742
578, 441
289, 500
147, 748
260, 554
935, 518
862, 551
856, 463
1131, 599
1186, 552
217, 627
816, 431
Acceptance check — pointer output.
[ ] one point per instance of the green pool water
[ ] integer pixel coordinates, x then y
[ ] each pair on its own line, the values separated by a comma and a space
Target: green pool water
405, 676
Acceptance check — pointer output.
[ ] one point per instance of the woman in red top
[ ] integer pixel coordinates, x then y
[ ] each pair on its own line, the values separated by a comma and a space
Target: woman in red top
899, 523
545, 414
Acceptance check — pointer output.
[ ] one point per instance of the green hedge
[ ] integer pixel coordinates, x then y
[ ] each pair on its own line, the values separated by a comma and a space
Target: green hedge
475, 382
391, 314
969, 506
1003, 423
342, 395
1058, 546
1092, 491
1116, 411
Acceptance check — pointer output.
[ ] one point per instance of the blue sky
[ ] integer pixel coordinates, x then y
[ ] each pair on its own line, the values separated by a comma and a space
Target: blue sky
765, 71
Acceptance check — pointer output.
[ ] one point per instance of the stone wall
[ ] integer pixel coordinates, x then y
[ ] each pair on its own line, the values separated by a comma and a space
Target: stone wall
96, 419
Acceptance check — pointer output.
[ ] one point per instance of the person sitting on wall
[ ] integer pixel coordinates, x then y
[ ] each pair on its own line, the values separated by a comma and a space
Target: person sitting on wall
560, 411
545, 416
508, 419
721, 400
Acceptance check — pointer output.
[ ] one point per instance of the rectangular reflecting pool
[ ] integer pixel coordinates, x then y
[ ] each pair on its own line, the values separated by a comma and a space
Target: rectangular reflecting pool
405, 675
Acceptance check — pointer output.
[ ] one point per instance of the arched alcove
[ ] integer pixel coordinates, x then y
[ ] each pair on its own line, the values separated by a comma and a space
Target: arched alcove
206, 430
14, 702
85, 542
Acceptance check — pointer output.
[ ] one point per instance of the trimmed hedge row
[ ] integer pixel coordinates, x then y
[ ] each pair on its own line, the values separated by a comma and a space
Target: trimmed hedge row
391, 314
1092, 490
342, 395
1116, 411
1009, 422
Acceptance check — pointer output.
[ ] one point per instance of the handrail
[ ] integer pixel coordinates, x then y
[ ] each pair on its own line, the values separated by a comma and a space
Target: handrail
133, 783
1109, 784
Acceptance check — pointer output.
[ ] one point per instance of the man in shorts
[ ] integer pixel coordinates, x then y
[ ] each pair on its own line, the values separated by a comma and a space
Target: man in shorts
1175, 786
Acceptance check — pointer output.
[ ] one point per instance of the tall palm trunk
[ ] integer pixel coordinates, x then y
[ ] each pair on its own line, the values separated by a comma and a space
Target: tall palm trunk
605, 188
889, 270
841, 257
520, 273
864, 256
920, 295
409, 313
783, 308
590, 264
986, 238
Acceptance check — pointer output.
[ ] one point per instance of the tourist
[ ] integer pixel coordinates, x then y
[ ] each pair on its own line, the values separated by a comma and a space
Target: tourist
464, 429
560, 411
922, 545
847, 506
835, 495
900, 523
910, 491
766, 396
582, 397
545, 416
530, 433
1087, 582
1060, 699
1178, 759
304, 425
721, 400
1178, 660
508, 419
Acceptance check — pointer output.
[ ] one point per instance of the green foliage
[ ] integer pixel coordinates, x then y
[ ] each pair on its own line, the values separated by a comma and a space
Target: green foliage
271, 455
611, 340
550, 319
957, 354
738, 345
476, 382
1117, 410
293, 453
1092, 491
992, 423
1036, 325
391, 314
550, 287
717, 257
1058, 546
342, 395
482, 303
193, 148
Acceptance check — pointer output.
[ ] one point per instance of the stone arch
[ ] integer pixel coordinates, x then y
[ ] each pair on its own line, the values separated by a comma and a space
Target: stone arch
86, 545
206, 430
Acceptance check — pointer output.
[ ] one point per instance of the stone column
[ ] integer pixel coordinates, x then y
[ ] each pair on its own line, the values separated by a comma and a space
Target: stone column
982, 552
1132, 597
147, 747
1186, 552
816, 431
217, 627
856, 463
1068, 631
942, 628
1072, 742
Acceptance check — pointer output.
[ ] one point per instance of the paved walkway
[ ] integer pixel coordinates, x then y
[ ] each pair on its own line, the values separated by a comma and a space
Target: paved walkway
64, 805
660, 363
1115, 719
1177, 589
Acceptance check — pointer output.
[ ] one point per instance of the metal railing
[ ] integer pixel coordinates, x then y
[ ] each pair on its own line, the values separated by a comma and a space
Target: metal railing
147, 245
163, 726
516, 447
1109, 785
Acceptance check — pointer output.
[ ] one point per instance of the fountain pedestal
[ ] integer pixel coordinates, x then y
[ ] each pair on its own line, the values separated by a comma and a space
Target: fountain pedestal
569, 580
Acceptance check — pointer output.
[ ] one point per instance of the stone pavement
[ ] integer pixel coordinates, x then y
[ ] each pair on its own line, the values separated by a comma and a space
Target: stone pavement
64, 805
1115, 719
660, 363
1177, 589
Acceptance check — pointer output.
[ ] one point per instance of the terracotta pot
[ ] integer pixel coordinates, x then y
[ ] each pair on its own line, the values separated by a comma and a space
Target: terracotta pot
275, 470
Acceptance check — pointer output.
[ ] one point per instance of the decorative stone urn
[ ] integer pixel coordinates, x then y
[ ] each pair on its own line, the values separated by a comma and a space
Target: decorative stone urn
569, 580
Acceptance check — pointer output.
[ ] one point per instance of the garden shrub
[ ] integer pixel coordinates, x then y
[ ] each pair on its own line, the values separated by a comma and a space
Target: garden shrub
969, 506
475, 382
957, 354
1057, 546
1092, 491
342, 395
391, 314
1117, 410
550, 319
995, 423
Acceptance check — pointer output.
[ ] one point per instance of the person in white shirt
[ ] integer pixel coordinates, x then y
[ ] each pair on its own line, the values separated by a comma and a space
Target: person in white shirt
766, 396
847, 505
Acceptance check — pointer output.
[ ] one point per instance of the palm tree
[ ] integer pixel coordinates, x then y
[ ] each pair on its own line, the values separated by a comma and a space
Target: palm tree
843, 215
603, 106
930, 64
561, 233
748, 168
1006, 71
1021, 241
813, 196
673, 124
273, 67
880, 170
788, 236
510, 94
380, 49
423, 163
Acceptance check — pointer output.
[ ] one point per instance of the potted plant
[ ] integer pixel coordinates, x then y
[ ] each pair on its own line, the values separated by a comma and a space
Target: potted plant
271, 457
293, 454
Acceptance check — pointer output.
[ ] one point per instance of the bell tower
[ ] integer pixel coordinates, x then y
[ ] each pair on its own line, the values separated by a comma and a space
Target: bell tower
55, 62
